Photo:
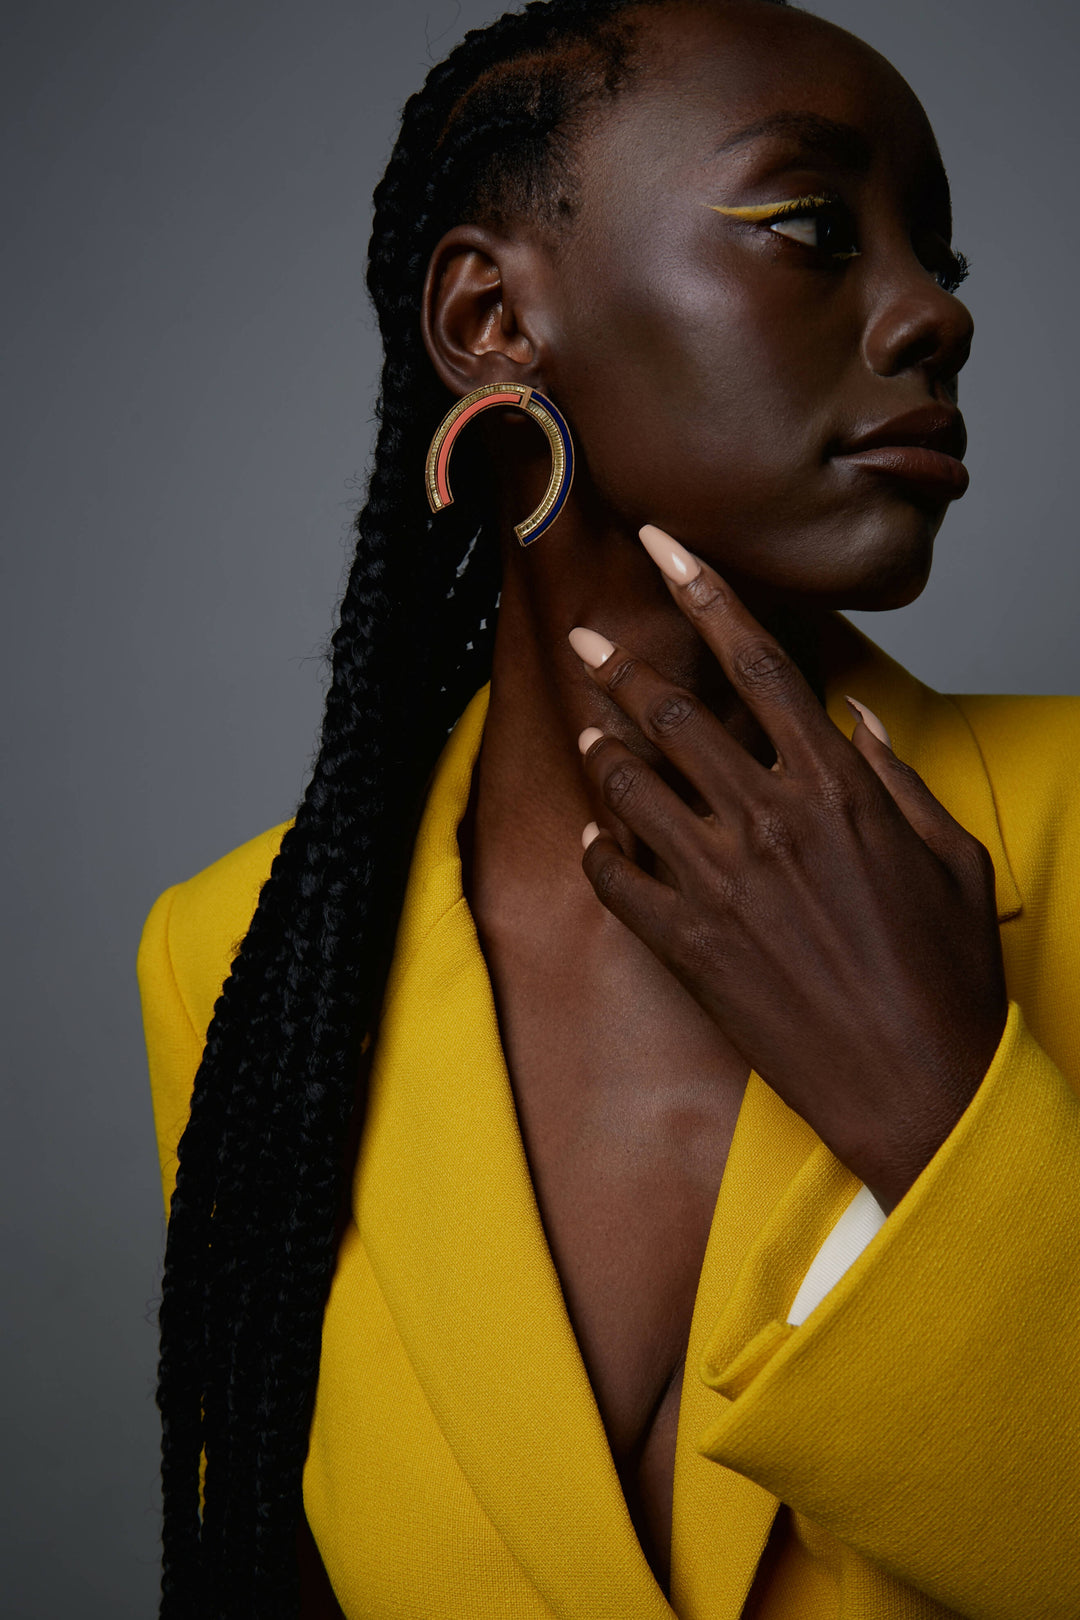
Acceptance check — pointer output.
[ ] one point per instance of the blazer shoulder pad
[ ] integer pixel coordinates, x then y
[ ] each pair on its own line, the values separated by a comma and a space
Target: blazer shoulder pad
209, 917
1031, 749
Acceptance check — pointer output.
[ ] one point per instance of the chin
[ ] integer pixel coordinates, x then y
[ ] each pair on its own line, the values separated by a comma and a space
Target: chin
880, 595
893, 569
874, 584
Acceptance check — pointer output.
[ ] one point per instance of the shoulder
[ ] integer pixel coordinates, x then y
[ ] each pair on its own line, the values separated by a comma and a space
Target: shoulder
1031, 750
1019, 719
187, 947
195, 928
1030, 746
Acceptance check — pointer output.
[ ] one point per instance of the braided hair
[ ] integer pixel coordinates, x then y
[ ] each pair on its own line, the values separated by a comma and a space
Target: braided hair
263, 1162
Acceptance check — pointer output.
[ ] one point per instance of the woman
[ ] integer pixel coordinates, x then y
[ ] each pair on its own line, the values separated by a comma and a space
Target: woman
513, 1216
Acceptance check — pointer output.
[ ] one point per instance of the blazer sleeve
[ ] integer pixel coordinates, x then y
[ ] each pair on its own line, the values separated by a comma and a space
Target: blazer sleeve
927, 1412
173, 1043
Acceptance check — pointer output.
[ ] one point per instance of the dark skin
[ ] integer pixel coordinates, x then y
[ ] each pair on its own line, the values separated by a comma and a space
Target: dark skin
764, 893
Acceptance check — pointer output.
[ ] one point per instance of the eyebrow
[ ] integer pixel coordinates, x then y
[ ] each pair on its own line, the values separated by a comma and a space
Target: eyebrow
842, 145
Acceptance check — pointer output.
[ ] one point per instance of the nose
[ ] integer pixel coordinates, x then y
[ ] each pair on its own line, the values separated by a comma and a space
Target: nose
916, 325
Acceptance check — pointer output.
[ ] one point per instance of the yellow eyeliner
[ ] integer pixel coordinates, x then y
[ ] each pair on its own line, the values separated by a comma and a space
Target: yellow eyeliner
760, 211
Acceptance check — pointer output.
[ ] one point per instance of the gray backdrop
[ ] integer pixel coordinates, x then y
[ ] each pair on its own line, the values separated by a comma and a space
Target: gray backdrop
190, 369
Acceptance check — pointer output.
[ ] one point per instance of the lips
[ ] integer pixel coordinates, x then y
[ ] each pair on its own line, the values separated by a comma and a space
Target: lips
923, 448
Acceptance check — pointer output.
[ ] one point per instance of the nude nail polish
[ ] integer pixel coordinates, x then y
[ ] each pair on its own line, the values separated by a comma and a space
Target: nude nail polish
591, 647
590, 735
680, 565
591, 831
870, 721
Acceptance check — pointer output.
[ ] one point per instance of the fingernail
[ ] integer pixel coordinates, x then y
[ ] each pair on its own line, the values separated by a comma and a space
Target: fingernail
869, 720
680, 565
590, 735
591, 831
591, 647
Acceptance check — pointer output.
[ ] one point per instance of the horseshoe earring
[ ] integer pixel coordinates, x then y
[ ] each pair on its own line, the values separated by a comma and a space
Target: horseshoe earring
542, 411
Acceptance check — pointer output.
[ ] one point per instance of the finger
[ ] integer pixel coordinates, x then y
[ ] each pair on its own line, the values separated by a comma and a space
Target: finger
869, 719
676, 721
769, 682
641, 799
644, 904
926, 815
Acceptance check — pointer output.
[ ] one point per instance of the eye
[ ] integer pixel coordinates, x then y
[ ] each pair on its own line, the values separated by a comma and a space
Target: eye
826, 226
819, 223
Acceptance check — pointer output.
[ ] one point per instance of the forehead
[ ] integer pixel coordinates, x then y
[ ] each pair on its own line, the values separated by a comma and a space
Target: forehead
720, 82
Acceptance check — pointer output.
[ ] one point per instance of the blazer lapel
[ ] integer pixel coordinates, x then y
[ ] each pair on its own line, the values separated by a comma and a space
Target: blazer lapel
445, 1206
721, 1520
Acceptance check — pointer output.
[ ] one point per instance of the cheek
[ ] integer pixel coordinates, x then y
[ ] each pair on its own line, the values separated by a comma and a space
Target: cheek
705, 401
695, 390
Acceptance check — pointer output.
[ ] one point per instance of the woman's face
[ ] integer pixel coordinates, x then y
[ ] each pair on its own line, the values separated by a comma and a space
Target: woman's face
717, 366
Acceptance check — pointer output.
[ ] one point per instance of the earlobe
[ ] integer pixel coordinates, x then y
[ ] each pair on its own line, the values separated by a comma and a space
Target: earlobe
469, 321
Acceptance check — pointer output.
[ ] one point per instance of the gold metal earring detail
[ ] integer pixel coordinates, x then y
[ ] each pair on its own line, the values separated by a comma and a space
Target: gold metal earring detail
541, 409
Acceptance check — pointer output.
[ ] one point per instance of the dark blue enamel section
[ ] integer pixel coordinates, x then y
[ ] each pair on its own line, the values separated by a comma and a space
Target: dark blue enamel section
568, 446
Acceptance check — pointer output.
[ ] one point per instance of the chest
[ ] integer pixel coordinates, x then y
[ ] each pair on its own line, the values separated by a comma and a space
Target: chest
627, 1098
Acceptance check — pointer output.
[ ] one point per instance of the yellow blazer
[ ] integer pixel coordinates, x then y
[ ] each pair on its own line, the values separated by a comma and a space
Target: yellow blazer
920, 1429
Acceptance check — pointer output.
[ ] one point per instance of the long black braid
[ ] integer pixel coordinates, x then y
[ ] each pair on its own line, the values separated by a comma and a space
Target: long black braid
263, 1161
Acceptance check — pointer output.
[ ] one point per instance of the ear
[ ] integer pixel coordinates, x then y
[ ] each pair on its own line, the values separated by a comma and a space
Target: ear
473, 318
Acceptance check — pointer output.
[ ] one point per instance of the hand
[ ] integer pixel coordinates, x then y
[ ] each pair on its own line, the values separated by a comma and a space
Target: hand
828, 914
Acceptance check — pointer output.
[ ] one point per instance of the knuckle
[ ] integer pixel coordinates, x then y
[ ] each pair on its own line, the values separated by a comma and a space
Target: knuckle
841, 799
771, 834
623, 673
705, 593
607, 879
672, 714
832, 789
624, 784
907, 774
761, 665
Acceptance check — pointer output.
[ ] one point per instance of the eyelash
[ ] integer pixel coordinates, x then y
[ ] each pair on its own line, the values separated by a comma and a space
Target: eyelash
952, 267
